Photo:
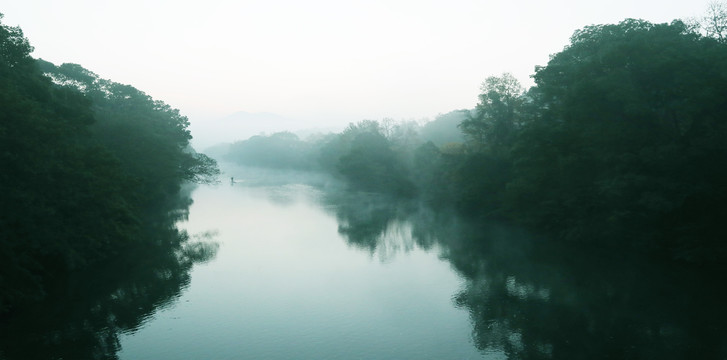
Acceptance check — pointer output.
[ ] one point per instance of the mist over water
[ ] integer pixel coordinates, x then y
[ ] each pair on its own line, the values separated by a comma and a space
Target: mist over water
289, 264
578, 218
300, 276
305, 271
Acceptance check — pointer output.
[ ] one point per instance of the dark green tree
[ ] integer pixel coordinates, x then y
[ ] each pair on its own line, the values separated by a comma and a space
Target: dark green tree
372, 165
493, 123
147, 136
63, 199
627, 140
82, 160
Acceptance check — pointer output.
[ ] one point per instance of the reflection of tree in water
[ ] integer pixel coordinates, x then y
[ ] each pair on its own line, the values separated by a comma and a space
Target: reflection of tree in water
535, 302
83, 316
530, 300
374, 223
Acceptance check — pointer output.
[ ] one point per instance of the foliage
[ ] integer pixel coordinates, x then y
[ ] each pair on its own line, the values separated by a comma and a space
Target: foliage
369, 156
492, 125
82, 160
147, 136
628, 139
714, 23
444, 129
283, 150
371, 165
620, 143
365, 157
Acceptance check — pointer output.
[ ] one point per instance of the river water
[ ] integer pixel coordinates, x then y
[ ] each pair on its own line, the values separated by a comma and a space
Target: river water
279, 266
287, 283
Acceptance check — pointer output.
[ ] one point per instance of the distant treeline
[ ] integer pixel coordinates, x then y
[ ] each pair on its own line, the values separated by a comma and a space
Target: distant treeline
622, 143
84, 162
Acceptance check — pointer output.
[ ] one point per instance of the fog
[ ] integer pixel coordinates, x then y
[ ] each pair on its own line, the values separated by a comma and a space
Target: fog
316, 64
242, 125
362, 180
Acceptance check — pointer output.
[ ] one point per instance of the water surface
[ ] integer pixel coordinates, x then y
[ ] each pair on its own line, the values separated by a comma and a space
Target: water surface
287, 283
269, 268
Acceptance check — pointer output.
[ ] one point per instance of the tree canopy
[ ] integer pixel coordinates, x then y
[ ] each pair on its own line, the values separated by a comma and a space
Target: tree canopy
629, 138
620, 142
82, 161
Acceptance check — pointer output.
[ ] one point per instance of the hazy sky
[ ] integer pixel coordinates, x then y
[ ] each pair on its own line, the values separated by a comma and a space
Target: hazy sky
316, 60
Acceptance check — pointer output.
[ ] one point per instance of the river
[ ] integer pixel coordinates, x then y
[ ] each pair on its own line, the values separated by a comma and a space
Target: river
286, 284
283, 266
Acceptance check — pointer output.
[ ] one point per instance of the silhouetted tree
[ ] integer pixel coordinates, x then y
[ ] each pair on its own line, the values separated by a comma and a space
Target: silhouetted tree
82, 160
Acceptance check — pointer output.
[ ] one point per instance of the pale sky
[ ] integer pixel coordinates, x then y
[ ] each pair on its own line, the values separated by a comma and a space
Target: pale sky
316, 61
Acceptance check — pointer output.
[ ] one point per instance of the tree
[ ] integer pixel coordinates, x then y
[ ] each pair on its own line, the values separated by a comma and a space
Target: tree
496, 117
14, 48
149, 138
372, 165
444, 128
715, 21
63, 199
83, 160
625, 143
283, 150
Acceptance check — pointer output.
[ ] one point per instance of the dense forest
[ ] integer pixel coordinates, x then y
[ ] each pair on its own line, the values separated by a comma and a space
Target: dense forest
619, 144
86, 162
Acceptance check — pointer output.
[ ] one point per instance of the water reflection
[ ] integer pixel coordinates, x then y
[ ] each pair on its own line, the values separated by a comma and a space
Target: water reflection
533, 300
83, 316
537, 302
374, 223
526, 299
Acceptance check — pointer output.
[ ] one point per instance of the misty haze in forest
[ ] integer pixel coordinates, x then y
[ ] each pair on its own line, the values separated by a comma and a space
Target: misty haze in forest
574, 215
